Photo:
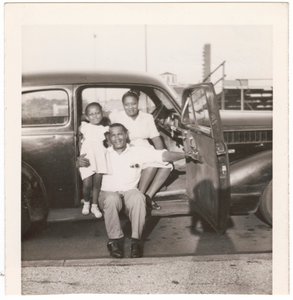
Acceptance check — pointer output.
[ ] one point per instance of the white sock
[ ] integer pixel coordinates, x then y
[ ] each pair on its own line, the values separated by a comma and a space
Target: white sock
94, 205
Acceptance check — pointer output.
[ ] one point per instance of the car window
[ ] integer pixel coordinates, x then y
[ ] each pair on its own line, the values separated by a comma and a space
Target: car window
196, 112
47, 107
111, 99
199, 101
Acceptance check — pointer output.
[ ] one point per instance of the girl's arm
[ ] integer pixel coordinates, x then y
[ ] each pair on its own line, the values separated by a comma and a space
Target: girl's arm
107, 142
80, 137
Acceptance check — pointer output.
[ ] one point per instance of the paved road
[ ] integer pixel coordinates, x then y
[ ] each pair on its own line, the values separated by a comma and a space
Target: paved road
222, 274
175, 236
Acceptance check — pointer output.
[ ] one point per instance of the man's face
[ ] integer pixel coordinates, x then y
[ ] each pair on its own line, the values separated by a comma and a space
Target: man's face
118, 137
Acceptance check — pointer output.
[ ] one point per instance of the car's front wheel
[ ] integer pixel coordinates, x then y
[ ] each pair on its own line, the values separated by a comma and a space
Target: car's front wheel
266, 203
25, 215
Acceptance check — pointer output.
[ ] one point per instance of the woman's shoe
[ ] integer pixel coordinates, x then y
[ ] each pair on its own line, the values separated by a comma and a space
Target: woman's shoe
155, 205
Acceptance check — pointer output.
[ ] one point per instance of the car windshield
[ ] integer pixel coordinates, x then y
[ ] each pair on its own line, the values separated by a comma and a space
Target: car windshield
176, 96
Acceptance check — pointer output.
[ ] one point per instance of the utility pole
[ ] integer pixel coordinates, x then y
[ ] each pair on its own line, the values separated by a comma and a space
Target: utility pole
242, 95
223, 91
95, 66
95, 51
146, 60
146, 48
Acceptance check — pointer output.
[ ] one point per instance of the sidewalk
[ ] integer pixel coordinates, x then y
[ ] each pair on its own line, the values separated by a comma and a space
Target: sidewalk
210, 274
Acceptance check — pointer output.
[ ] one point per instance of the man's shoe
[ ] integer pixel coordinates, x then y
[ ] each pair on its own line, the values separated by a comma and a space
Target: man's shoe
114, 249
136, 250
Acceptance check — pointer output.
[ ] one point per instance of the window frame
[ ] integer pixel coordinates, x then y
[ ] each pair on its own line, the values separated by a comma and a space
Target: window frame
78, 89
189, 107
42, 89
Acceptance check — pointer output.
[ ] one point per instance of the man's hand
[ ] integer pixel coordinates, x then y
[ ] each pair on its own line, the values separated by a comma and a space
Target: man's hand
194, 156
171, 156
82, 161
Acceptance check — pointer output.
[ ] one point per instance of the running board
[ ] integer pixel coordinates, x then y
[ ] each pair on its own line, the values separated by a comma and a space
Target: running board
168, 208
171, 195
172, 208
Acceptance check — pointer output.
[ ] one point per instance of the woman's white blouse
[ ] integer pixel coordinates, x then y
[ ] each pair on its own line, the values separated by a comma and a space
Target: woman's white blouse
140, 129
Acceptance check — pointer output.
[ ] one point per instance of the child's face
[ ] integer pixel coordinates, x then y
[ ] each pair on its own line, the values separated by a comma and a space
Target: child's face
94, 115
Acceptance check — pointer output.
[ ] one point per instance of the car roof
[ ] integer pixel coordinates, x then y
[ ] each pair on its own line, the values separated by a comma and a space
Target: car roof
81, 77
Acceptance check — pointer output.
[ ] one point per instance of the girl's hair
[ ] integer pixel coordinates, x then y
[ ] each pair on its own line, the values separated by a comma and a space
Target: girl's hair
93, 104
131, 93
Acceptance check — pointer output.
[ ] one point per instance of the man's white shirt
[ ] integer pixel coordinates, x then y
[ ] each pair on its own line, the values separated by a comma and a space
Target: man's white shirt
125, 168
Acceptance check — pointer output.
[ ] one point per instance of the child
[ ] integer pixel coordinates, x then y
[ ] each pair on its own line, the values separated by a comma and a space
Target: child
93, 149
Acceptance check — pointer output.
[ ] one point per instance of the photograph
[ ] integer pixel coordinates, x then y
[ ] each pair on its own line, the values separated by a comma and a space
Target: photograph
146, 150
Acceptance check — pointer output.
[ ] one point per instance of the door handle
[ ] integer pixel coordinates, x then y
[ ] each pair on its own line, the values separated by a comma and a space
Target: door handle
192, 143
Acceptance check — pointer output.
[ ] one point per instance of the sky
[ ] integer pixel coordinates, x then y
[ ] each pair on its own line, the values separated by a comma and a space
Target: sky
178, 49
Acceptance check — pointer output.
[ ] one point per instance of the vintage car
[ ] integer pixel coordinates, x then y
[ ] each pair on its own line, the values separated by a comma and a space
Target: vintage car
232, 173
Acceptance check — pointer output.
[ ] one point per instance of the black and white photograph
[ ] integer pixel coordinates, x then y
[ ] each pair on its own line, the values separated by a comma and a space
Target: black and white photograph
148, 149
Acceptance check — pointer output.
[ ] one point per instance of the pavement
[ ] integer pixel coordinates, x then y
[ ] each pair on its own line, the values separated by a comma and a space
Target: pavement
181, 256
206, 274
171, 236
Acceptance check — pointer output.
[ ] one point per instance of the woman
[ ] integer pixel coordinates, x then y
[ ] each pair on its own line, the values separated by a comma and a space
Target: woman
141, 127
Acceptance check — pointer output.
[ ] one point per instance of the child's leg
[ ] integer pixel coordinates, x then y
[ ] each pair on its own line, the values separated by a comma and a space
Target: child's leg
86, 189
87, 185
97, 178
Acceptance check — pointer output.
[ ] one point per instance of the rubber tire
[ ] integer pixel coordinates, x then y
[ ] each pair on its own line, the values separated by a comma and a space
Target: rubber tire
25, 216
266, 203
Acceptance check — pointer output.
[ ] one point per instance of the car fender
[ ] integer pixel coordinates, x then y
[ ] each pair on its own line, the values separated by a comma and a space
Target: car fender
35, 193
253, 170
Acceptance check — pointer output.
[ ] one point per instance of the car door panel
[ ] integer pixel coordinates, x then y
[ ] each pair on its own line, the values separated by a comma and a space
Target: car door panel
207, 183
48, 141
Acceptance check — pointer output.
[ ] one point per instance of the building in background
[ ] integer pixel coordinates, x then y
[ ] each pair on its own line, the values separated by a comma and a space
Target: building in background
170, 78
246, 94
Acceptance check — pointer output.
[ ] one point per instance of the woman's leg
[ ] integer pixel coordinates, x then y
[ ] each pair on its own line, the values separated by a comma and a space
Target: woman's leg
151, 180
147, 175
159, 179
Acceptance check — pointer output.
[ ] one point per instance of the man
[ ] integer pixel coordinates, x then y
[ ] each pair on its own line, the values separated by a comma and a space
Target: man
120, 187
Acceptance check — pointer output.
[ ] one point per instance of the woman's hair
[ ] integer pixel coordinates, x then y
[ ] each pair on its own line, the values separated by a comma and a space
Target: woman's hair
93, 104
131, 93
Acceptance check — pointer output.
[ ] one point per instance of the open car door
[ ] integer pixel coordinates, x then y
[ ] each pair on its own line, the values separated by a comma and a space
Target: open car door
207, 177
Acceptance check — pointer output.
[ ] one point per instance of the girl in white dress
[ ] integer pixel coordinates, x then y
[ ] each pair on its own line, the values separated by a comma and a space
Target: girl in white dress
141, 127
93, 149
